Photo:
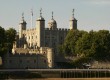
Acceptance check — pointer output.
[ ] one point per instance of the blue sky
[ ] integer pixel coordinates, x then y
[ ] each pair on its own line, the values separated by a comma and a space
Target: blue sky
91, 14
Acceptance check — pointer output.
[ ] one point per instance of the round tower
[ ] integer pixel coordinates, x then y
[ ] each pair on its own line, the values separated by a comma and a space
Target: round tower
52, 23
50, 58
40, 25
22, 26
73, 22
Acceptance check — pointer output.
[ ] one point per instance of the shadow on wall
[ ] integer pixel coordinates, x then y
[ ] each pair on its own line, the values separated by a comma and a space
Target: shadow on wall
19, 75
0, 62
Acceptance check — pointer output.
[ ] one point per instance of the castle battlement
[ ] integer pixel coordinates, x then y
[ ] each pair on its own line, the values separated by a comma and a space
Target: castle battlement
31, 29
47, 29
41, 50
57, 29
26, 54
63, 29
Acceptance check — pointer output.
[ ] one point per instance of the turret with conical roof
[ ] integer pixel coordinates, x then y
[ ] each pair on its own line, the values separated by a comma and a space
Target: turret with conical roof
40, 25
40, 18
22, 26
22, 19
73, 21
52, 23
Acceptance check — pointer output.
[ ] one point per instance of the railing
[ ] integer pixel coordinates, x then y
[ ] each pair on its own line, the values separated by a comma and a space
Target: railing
66, 73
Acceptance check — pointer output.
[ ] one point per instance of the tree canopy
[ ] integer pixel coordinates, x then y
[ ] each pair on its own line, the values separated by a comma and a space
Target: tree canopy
95, 44
6, 39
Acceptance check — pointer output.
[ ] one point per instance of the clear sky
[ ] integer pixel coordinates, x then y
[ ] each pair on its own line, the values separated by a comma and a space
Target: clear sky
91, 14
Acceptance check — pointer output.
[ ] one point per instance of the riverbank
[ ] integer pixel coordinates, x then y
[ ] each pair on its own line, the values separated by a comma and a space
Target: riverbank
64, 79
55, 73
74, 79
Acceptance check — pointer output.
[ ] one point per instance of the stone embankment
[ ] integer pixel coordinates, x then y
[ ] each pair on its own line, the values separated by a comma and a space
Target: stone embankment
73, 79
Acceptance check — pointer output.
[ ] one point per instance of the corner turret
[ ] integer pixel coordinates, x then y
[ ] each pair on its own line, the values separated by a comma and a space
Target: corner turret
52, 23
22, 26
40, 25
40, 18
73, 22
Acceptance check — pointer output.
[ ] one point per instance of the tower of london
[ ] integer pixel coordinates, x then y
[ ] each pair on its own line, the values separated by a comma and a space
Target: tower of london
37, 46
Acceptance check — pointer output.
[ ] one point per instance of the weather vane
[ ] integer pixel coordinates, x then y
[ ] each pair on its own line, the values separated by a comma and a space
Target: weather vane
73, 12
52, 14
41, 12
23, 15
32, 12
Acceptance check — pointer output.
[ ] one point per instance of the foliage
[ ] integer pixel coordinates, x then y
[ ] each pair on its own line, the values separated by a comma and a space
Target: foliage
10, 37
70, 41
6, 39
87, 44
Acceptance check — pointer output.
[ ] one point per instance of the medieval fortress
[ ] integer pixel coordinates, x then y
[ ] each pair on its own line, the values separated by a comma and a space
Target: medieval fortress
38, 47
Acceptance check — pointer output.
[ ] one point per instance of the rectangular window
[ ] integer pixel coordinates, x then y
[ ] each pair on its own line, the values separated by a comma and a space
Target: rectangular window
20, 61
27, 61
34, 61
10, 61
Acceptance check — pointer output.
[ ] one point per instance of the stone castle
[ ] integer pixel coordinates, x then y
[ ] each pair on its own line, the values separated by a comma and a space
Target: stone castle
38, 47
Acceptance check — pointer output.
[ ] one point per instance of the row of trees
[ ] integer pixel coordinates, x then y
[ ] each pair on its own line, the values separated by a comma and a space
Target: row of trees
95, 44
6, 39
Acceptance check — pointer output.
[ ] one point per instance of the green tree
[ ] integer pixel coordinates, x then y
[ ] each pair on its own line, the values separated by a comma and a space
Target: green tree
2, 35
103, 44
6, 40
2, 40
94, 44
85, 45
68, 47
10, 37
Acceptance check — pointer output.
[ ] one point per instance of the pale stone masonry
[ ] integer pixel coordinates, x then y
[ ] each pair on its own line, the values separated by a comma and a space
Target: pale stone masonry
29, 58
38, 47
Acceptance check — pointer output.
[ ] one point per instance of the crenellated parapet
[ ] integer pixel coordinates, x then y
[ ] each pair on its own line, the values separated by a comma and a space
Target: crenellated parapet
57, 29
28, 30
47, 28
21, 58
62, 29
40, 50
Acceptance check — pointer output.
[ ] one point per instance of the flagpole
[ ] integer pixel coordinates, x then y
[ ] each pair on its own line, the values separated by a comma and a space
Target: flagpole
31, 18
